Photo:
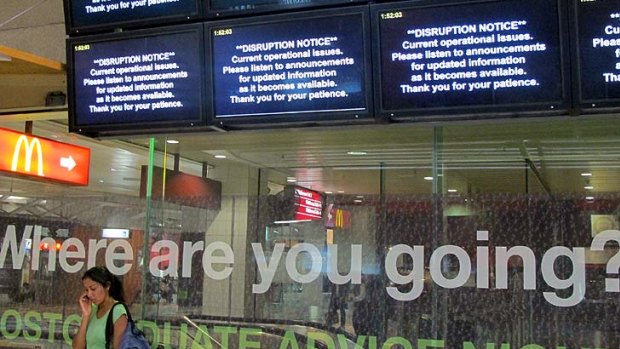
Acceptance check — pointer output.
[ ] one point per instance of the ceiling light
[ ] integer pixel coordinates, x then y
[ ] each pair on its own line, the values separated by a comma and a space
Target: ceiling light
588, 187
340, 191
17, 199
101, 181
452, 190
172, 141
357, 152
587, 174
220, 156
291, 179
360, 196
357, 201
428, 178
590, 198
113, 169
329, 192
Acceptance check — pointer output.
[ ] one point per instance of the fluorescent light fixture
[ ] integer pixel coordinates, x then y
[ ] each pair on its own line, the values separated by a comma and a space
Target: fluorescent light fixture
360, 196
292, 221
358, 201
172, 141
428, 178
329, 192
590, 198
588, 187
340, 191
17, 199
586, 174
113, 169
357, 152
113, 233
452, 190
291, 179
220, 156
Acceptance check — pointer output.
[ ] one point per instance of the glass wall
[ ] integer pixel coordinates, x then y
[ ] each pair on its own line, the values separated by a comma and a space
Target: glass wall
453, 236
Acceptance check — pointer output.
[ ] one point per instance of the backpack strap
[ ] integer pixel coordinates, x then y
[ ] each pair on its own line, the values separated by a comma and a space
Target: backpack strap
109, 326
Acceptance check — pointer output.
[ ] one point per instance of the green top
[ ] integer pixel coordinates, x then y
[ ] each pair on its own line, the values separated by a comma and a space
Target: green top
95, 333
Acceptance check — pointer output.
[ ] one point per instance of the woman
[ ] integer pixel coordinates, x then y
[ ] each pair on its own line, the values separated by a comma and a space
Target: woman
102, 291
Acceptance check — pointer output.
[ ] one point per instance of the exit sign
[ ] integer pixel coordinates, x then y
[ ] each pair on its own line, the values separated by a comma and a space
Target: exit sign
43, 158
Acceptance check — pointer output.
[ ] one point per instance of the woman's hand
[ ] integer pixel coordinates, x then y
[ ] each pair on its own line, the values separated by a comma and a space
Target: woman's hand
79, 340
85, 305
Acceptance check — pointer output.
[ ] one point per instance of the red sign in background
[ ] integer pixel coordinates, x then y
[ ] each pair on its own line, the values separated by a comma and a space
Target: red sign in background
43, 158
308, 204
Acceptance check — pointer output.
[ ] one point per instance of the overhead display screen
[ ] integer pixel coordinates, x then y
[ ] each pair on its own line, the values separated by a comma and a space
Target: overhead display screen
137, 82
469, 58
598, 29
303, 67
217, 8
97, 15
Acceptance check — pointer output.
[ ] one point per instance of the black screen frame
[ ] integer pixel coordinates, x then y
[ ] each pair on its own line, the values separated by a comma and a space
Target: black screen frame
213, 13
137, 23
563, 106
282, 119
140, 127
585, 105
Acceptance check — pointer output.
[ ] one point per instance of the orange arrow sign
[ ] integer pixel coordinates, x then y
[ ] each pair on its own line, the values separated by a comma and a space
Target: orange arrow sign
43, 158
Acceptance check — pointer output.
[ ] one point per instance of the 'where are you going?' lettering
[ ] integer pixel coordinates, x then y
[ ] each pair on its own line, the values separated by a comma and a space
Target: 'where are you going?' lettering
218, 261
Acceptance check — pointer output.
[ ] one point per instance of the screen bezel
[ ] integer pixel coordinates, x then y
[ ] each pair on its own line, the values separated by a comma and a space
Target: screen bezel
137, 23
284, 119
212, 13
585, 105
557, 107
141, 127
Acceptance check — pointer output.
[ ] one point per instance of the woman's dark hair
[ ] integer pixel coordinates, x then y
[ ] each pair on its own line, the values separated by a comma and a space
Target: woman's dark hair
103, 276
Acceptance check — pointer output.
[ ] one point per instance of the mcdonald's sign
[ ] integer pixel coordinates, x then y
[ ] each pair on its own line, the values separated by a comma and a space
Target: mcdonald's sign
338, 218
43, 158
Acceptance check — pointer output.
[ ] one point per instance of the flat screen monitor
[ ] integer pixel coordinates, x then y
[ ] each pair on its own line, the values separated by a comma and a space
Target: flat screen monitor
297, 204
483, 58
87, 16
598, 54
222, 8
137, 82
303, 67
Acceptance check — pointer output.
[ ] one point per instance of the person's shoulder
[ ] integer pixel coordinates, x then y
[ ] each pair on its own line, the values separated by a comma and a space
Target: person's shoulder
119, 310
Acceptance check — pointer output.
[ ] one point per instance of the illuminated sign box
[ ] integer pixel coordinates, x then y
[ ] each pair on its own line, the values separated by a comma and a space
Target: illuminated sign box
43, 159
115, 233
219, 8
438, 58
83, 16
302, 67
137, 82
308, 204
297, 204
597, 54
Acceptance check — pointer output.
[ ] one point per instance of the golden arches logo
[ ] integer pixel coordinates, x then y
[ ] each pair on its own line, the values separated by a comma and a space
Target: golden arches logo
339, 222
29, 149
